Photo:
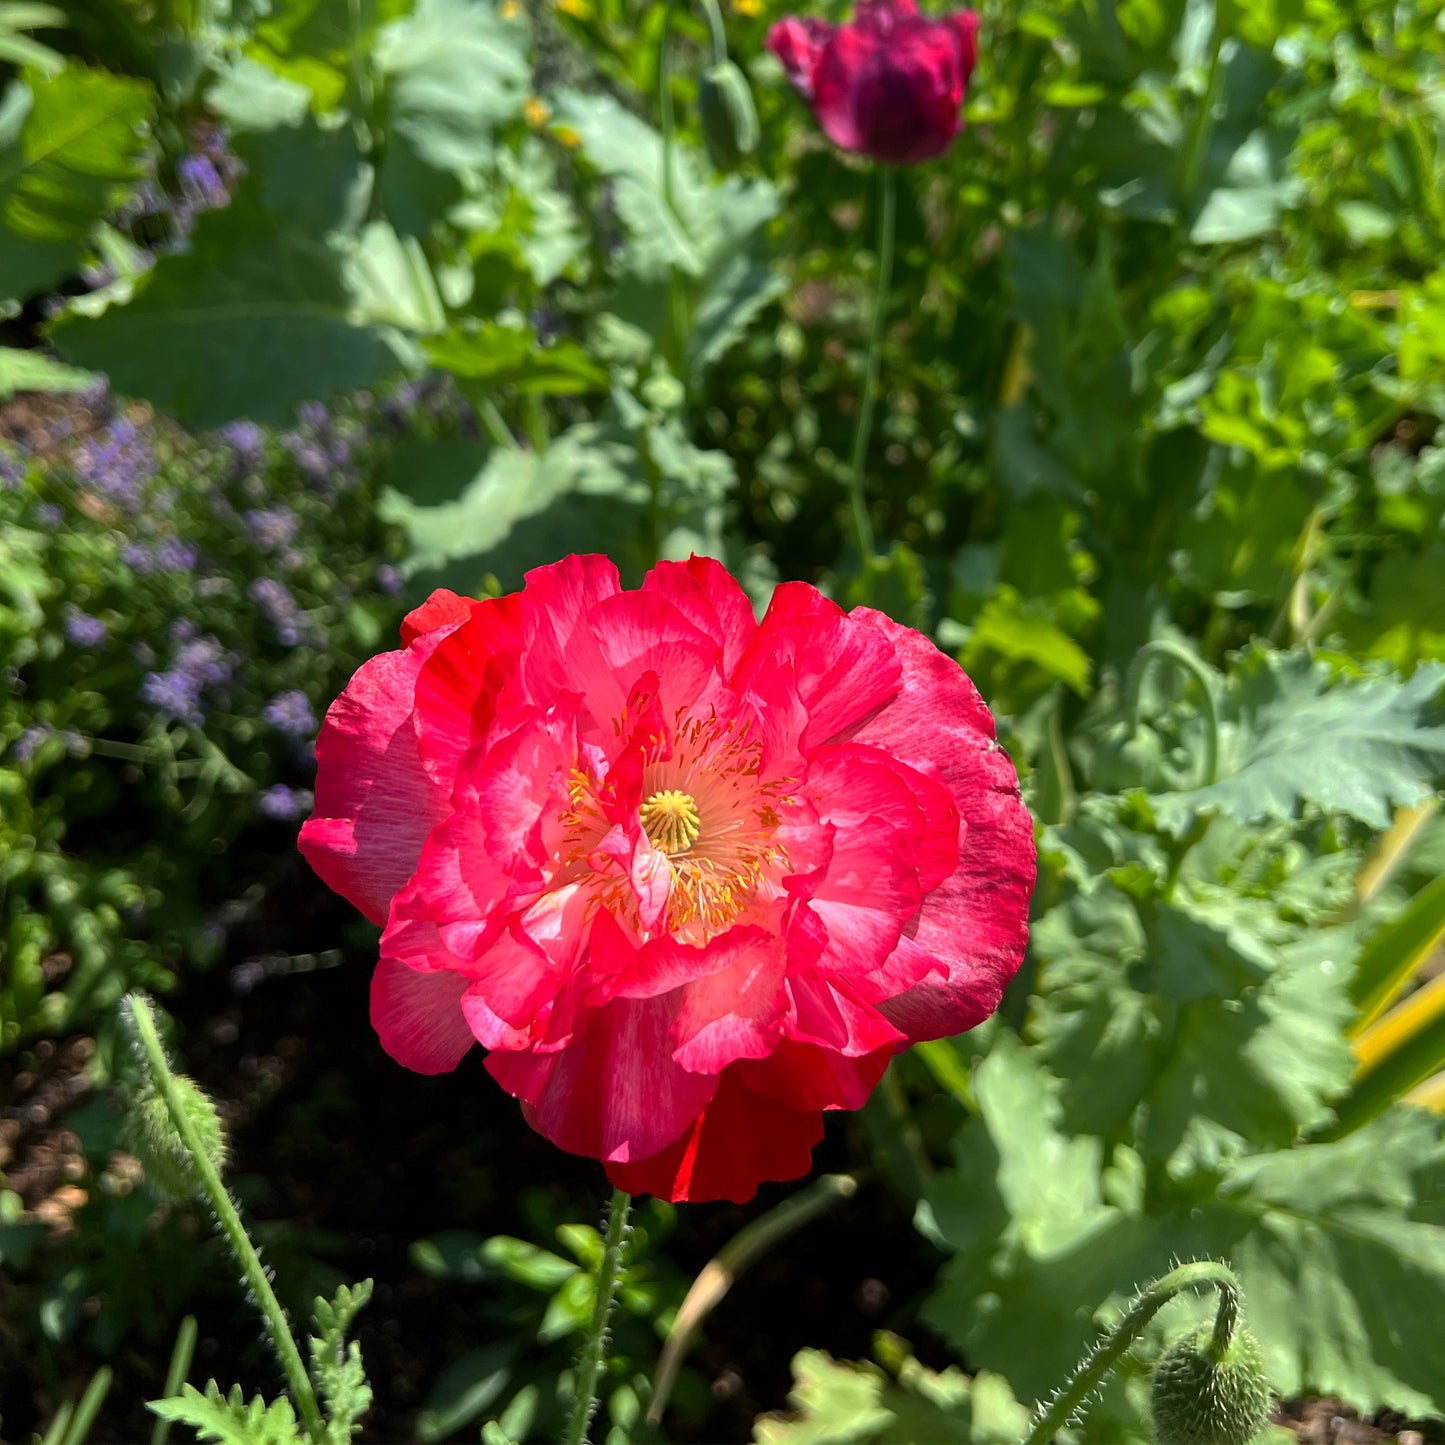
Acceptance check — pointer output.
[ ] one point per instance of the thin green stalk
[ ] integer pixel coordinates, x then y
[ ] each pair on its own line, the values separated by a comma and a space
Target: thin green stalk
180, 1367
718, 1275
1097, 1366
674, 336
89, 1406
863, 427
594, 1352
717, 31
230, 1222
1181, 657
1196, 144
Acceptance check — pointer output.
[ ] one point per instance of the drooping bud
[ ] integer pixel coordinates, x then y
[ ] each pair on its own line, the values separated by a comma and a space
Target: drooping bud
1200, 1400
729, 119
152, 1136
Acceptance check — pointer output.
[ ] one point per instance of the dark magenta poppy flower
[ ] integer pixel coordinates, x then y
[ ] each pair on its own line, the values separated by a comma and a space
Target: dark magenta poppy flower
888, 84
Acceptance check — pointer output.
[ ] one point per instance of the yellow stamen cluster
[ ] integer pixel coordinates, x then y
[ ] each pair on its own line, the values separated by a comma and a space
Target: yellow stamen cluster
670, 818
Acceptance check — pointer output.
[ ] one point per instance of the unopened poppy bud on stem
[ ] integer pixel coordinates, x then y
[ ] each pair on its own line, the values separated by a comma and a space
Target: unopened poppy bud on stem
1200, 1397
153, 1138
729, 118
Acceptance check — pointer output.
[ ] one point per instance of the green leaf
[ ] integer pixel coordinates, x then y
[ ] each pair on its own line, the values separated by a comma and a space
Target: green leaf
264, 310
35, 371
336, 1365
496, 355
71, 145
229, 1420
454, 71
509, 511
471, 1384
1294, 737
834, 1403
1340, 1282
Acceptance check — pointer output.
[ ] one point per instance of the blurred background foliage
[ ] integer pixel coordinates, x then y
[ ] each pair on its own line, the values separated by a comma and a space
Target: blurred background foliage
308, 306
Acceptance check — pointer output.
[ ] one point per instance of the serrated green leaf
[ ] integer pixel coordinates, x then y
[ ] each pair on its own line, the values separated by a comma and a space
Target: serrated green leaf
336, 1366
1295, 738
229, 1419
1340, 1283
836, 1403
71, 145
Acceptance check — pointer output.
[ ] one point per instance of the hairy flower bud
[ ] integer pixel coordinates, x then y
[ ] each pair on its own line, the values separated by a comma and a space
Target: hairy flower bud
1200, 1400
153, 1138
729, 118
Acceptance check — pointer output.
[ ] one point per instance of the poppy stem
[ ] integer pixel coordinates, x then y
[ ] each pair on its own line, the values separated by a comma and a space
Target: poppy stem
863, 428
1101, 1361
594, 1352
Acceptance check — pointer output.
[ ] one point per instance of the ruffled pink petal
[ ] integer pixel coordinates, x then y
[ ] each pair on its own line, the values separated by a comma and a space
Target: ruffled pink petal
560, 652
614, 1092
841, 670
740, 1141
442, 609
974, 926
829, 1011
798, 43
704, 591
418, 1018
460, 684
643, 632
375, 803
516, 791
807, 1076
735, 1013
849, 783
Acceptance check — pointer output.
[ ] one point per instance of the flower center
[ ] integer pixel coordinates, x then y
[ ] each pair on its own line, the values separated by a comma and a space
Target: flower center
670, 819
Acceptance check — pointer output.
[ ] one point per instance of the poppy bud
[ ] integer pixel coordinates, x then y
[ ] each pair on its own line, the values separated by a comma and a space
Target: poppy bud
153, 1138
1200, 1400
729, 118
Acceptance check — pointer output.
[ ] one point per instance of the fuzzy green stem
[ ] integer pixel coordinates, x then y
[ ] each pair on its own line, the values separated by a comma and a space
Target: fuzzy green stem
863, 427
1181, 657
1098, 1365
594, 1352
219, 1199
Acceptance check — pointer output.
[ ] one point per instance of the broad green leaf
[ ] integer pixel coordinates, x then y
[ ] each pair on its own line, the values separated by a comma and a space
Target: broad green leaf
71, 145
495, 355
1340, 1283
454, 70
1293, 738
229, 1419
508, 511
263, 311
35, 371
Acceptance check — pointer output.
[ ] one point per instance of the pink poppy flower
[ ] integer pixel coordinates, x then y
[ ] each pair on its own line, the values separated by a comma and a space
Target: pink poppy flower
889, 83
690, 878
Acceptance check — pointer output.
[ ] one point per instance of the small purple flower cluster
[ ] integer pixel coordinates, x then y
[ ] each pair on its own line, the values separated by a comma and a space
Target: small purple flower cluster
280, 609
83, 630
12, 471
322, 451
170, 554
201, 665
282, 804
272, 528
247, 443
118, 465
290, 712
